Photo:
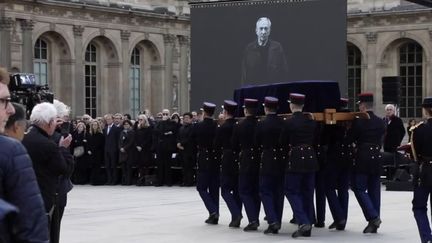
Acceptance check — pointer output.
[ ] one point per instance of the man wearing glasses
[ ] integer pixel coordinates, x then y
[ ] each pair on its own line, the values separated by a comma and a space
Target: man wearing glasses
18, 182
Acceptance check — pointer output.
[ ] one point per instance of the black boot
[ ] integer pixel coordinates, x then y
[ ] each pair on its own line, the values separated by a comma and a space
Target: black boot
338, 225
272, 229
319, 225
213, 219
293, 221
303, 230
235, 223
253, 226
372, 226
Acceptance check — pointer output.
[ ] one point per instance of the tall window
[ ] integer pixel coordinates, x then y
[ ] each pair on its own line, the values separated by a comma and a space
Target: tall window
354, 75
40, 63
411, 71
90, 80
134, 82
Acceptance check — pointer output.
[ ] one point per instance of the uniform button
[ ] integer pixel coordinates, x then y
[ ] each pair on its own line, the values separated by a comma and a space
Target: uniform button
274, 150
311, 157
274, 158
373, 157
206, 158
302, 157
370, 148
301, 149
343, 153
252, 157
310, 148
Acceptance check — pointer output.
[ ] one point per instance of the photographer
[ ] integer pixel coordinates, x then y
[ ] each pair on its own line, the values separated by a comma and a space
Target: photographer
65, 184
48, 160
18, 183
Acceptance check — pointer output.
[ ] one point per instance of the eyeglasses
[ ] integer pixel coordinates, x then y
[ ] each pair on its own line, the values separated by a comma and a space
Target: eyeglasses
6, 101
165, 114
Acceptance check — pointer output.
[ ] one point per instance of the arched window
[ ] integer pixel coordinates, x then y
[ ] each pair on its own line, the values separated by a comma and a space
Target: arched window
134, 82
354, 75
40, 63
411, 71
90, 80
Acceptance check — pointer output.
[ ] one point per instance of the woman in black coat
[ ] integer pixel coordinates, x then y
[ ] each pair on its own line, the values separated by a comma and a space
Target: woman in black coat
127, 151
143, 144
79, 142
95, 150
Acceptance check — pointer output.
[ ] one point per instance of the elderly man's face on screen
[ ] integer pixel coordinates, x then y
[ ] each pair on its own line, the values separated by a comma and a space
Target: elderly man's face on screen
263, 29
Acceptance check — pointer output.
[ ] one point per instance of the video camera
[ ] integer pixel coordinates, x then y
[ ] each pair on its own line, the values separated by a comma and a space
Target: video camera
26, 91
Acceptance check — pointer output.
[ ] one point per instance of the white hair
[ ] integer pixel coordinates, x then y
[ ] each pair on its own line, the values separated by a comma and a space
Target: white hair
43, 113
62, 109
264, 19
390, 106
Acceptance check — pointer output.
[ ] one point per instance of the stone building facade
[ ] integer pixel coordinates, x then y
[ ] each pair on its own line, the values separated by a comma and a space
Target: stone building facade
101, 56
390, 38
129, 55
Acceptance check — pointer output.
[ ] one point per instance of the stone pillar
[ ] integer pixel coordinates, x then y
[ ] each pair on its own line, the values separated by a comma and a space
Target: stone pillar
183, 80
125, 105
5, 36
371, 81
27, 47
78, 81
168, 84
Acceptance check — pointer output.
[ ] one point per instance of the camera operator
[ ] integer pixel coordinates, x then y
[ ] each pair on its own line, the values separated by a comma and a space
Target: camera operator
18, 185
48, 160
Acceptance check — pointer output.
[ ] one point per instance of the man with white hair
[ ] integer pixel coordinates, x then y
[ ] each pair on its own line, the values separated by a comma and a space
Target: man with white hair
395, 130
47, 156
263, 59
65, 184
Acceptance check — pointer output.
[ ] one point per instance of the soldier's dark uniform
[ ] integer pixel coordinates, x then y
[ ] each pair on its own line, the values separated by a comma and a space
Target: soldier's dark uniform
337, 172
272, 166
421, 141
320, 146
367, 134
249, 158
208, 165
302, 164
229, 161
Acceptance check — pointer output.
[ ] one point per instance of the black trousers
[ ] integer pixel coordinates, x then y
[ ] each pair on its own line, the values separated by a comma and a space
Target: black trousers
111, 167
127, 173
164, 168
189, 161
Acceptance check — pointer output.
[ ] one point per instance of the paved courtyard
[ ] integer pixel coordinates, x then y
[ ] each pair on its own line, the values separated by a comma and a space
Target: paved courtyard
117, 214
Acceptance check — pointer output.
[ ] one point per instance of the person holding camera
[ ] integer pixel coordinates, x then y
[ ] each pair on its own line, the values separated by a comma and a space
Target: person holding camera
48, 159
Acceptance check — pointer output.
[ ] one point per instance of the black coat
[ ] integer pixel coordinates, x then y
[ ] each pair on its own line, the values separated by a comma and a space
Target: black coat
185, 139
144, 139
223, 144
267, 136
80, 139
127, 142
394, 135
367, 134
422, 140
299, 133
243, 141
65, 183
95, 145
203, 136
19, 187
111, 140
165, 136
48, 163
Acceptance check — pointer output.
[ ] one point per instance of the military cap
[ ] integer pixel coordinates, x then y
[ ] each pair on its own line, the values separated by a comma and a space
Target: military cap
209, 107
229, 105
343, 102
271, 102
427, 102
297, 99
365, 97
250, 103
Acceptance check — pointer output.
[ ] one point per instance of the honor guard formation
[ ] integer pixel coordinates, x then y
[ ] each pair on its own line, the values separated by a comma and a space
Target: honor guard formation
263, 160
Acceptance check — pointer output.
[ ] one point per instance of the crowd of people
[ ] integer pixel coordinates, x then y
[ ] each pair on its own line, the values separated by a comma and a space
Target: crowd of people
250, 161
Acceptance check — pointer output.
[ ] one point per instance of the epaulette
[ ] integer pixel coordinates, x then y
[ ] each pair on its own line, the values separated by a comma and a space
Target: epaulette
417, 125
